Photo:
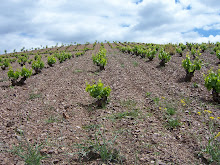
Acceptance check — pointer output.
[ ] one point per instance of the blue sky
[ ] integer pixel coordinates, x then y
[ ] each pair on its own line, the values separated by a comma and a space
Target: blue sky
32, 23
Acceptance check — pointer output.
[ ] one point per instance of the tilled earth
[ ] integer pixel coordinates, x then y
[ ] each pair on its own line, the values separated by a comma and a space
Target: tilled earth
54, 109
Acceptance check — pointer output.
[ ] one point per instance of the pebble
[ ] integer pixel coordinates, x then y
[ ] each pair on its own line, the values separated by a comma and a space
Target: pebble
21, 163
55, 161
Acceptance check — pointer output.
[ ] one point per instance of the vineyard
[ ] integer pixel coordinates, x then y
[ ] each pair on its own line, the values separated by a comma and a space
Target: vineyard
111, 103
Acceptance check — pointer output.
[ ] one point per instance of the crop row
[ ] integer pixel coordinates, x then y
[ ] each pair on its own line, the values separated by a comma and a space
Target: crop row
23, 58
191, 63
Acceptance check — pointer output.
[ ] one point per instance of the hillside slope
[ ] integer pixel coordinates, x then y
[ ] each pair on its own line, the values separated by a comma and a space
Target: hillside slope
53, 108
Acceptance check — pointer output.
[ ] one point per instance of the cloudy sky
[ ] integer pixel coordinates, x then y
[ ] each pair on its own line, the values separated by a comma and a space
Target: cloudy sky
32, 23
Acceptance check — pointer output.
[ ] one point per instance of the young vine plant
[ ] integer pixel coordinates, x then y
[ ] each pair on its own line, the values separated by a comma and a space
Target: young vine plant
99, 92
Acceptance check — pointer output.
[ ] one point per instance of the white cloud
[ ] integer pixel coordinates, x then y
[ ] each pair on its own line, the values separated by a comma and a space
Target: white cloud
214, 27
22, 41
47, 22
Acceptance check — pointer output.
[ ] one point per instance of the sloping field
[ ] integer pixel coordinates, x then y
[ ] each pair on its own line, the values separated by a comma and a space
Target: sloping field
151, 118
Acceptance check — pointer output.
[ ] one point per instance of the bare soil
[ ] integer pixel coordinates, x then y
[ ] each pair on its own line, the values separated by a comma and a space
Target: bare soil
54, 109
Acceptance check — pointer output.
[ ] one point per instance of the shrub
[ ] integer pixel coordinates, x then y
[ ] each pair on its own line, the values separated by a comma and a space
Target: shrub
77, 54
22, 60
189, 45
13, 76
60, 57
135, 50
86, 49
171, 49
5, 63
68, 55
30, 61
203, 47
191, 66
99, 92
196, 46
193, 52
64, 55
25, 73
12, 60
218, 54
216, 48
164, 57
138, 50
102, 45
51, 60
126, 49
183, 47
110, 44
94, 44
212, 81
100, 58
151, 54
129, 50
38, 66
123, 49
37, 57
141, 52
179, 50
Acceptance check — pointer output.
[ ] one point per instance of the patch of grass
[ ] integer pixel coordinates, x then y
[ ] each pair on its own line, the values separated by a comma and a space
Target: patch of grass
135, 63
91, 127
149, 114
156, 100
28, 152
170, 111
170, 48
52, 119
173, 123
157, 153
213, 149
130, 104
78, 71
3, 79
51, 108
148, 94
122, 65
213, 146
105, 149
96, 73
120, 115
99, 148
206, 64
186, 100
33, 96
136, 158
12, 87
195, 85
149, 146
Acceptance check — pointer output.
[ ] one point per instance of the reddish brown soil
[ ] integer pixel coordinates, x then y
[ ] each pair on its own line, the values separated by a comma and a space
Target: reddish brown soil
58, 93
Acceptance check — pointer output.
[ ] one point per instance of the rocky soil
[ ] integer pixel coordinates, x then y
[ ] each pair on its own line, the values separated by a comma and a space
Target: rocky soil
53, 109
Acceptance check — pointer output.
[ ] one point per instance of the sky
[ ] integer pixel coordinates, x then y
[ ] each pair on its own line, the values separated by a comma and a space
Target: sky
36, 23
